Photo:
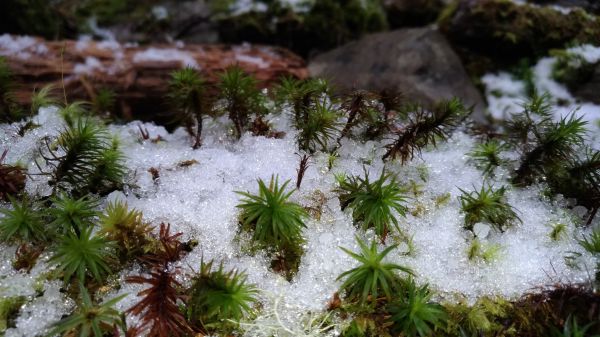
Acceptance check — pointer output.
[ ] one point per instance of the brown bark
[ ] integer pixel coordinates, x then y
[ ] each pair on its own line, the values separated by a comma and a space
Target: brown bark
140, 83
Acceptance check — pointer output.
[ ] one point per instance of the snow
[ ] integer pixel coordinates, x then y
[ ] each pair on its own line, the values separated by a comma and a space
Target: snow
22, 47
160, 13
104, 34
165, 55
243, 6
505, 93
91, 64
258, 61
200, 201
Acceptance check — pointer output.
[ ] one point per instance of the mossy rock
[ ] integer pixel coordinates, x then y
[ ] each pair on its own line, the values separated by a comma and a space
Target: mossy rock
498, 33
328, 23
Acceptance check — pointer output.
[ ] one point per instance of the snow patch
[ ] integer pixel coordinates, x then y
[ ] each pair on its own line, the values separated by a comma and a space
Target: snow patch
166, 55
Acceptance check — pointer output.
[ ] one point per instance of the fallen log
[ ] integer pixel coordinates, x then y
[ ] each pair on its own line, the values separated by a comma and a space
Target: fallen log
137, 75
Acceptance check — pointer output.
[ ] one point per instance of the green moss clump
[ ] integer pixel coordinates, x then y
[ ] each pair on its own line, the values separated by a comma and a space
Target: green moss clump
413, 13
10, 110
571, 69
276, 224
505, 32
328, 23
9, 308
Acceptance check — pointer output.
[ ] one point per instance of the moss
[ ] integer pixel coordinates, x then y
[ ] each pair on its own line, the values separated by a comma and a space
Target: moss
327, 24
571, 69
413, 13
504, 32
33, 17
9, 308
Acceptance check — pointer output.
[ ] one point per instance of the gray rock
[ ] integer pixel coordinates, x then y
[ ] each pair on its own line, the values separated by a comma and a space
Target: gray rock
418, 62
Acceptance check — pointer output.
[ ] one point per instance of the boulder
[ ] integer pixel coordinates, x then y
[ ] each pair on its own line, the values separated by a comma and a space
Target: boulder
418, 62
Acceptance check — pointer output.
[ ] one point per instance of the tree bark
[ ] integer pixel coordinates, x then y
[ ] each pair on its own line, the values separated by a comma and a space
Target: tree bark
139, 76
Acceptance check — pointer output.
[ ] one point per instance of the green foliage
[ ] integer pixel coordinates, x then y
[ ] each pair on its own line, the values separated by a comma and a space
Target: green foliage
579, 179
591, 243
486, 252
318, 125
83, 255
10, 111
553, 143
89, 319
524, 72
413, 313
126, 228
86, 159
509, 32
273, 220
300, 93
74, 112
187, 95
363, 108
373, 203
340, 21
487, 155
72, 214
104, 102
217, 296
572, 329
559, 230
426, 127
571, 69
109, 171
323, 25
372, 277
242, 97
44, 97
9, 307
537, 111
487, 205
23, 222
554, 152
483, 318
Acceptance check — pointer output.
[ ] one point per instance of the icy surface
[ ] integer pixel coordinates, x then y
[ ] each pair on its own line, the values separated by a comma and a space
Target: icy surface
199, 200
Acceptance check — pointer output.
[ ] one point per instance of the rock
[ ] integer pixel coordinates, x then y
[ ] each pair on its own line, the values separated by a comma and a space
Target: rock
412, 13
418, 62
507, 32
592, 6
